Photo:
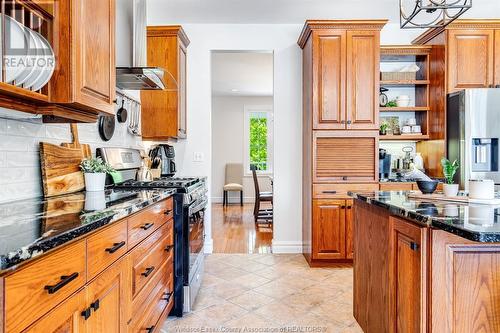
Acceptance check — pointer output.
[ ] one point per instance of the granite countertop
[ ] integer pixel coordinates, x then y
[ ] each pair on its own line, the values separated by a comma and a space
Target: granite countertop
476, 222
30, 228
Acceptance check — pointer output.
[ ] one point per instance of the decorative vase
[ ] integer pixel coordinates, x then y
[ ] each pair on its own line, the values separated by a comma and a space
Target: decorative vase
95, 181
450, 190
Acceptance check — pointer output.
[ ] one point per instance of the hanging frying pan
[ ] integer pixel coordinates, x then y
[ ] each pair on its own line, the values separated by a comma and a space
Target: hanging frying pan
106, 127
122, 113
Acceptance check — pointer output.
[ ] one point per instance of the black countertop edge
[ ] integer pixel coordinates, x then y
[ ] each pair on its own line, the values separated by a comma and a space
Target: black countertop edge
93, 223
452, 225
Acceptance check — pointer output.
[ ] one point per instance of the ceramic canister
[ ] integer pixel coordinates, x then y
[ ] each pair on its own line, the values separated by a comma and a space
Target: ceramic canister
481, 189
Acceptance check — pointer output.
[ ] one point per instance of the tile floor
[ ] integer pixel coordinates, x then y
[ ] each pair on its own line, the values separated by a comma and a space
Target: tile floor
266, 293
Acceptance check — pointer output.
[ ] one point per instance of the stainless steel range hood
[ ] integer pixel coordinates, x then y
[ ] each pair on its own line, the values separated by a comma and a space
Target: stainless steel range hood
139, 76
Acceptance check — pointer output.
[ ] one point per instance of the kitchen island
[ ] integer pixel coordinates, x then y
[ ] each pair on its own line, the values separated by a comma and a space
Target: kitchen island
425, 266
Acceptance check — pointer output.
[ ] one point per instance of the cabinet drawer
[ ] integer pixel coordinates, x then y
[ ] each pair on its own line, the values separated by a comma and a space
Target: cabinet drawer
34, 290
106, 246
144, 223
149, 256
334, 191
162, 280
159, 303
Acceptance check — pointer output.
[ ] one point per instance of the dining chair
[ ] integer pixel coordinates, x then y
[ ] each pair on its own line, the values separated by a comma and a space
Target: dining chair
233, 182
261, 214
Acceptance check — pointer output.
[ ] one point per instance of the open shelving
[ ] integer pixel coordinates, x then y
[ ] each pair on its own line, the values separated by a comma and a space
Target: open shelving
418, 87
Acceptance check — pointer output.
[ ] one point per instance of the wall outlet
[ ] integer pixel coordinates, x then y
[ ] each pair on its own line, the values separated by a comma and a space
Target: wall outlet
198, 156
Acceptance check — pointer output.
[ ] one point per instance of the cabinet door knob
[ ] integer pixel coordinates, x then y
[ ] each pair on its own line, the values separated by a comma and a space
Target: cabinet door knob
414, 246
349, 122
86, 313
342, 121
95, 305
168, 248
150, 329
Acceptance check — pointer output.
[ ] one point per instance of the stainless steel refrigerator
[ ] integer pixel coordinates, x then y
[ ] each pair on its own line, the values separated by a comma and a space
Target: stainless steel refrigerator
473, 131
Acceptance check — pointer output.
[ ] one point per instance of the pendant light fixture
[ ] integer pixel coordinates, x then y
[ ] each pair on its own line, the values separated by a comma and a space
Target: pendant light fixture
431, 13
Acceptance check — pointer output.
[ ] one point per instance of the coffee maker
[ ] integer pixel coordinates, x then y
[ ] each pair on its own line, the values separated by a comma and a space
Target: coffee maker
166, 154
384, 164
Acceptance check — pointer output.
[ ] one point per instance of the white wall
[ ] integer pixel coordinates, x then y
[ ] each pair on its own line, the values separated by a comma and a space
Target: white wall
280, 38
228, 144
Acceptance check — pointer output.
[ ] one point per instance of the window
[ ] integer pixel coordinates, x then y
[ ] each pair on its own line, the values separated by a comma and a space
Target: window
258, 138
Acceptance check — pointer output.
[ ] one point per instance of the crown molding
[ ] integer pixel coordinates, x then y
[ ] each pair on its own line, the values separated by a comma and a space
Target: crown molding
168, 31
312, 25
430, 34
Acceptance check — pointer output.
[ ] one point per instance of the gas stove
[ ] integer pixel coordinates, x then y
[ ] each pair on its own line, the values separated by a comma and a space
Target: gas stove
183, 185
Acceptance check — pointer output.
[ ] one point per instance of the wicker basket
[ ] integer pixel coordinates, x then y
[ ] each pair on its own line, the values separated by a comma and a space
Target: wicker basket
398, 76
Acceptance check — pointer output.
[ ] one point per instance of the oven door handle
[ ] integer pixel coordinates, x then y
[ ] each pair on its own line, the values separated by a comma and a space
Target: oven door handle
197, 208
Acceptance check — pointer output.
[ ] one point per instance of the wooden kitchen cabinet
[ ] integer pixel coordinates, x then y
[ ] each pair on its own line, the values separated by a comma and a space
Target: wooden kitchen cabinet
164, 113
85, 75
329, 62
329, 229
109, 299
363, 59
88, 285
66, 317
332, 229
471, 54
496, 50
470, 59
407, 277
344, 58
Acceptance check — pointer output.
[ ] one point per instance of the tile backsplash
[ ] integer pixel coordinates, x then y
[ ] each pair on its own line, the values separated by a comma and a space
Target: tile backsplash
19, 152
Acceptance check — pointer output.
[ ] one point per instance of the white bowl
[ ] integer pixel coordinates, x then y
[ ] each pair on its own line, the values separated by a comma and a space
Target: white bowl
403, 102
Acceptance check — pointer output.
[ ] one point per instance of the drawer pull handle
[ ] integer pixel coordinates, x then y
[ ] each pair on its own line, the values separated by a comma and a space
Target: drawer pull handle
167, 296
95, 305
329, 192
150, 329
147, 226
65, 279
86, 313
168, 212
148, 271
116, 247
168, 248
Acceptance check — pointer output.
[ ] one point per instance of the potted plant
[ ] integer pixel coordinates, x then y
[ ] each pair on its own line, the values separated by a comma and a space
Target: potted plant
383, 128
449, 169
95, 171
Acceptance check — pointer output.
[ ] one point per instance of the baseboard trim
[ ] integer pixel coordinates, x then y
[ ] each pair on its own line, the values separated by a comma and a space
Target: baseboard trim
208, 248
286, 247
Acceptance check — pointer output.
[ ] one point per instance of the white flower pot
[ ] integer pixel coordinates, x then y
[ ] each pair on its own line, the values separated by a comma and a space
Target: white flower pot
95, 181
450, 190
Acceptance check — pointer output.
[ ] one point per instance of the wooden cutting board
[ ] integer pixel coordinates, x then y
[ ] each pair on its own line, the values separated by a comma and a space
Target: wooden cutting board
60, 165
87, 152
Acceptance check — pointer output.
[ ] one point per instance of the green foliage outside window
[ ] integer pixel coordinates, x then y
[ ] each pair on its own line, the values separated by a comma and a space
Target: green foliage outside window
258, 142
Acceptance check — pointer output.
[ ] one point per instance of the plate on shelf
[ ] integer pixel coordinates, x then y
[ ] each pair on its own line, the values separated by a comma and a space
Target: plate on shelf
45, 64
31, 59
17, 39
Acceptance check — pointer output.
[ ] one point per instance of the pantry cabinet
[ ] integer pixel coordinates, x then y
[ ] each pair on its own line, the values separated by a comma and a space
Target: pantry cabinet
340, 65
164, 113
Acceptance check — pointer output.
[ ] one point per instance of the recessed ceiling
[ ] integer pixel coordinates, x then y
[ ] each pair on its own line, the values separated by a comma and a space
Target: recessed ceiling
242, 73
288, 11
